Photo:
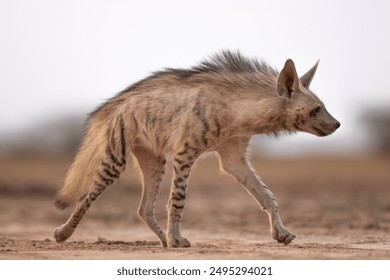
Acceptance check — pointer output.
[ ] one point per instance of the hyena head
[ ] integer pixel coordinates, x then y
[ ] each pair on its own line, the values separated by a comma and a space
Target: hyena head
304, 110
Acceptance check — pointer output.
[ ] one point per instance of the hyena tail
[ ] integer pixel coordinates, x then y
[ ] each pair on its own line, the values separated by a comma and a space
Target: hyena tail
99, 161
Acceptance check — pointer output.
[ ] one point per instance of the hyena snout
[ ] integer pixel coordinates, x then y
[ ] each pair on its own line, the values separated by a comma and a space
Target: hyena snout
335, 124
327, 127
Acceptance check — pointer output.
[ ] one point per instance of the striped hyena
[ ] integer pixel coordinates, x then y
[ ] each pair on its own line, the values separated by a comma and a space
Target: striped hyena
215, 106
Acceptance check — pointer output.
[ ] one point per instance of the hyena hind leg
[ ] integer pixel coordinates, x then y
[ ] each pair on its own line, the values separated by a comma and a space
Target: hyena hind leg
64, 231
183, 162
153, 170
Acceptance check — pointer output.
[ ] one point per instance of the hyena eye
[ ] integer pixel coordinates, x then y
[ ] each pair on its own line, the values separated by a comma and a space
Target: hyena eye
315, 111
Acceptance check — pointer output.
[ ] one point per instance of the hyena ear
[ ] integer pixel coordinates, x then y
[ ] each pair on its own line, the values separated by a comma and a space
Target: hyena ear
288, 80
308, 77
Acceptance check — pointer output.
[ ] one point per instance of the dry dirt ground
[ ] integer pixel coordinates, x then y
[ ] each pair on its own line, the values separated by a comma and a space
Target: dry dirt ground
339, 208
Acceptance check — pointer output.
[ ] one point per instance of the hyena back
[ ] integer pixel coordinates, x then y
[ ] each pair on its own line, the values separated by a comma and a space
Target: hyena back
216, 106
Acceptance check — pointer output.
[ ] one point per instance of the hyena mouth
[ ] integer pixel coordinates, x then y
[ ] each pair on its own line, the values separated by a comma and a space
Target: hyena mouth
319, 131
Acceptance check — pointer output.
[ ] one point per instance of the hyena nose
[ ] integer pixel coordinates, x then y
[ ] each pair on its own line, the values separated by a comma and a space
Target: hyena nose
337, 124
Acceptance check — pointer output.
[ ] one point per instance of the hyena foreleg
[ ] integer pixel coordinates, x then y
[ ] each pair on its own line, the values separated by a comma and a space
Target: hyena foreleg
153, 170
234, 161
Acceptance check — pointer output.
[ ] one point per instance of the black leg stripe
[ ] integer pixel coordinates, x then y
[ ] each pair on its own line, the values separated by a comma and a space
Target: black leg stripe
111, 167
119, 163
110, 174
185, 166
108, 181
178, 196
123, 140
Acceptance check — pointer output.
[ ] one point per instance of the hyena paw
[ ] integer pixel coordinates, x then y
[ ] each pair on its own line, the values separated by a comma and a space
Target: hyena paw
282, 235
62, 233
164, 242
178, 242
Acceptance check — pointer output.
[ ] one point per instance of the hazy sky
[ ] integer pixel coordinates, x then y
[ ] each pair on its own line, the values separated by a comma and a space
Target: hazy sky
67, 56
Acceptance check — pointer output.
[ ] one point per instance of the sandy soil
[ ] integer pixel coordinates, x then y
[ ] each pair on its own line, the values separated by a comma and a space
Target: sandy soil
339, 208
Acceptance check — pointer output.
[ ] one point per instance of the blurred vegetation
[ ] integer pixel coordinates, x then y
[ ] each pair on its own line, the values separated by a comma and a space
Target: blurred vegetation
55, 137
378, 122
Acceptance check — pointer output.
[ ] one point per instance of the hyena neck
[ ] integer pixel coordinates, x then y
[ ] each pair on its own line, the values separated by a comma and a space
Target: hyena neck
263, 116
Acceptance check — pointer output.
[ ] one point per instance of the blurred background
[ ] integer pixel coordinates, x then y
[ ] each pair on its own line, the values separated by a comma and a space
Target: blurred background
61, 59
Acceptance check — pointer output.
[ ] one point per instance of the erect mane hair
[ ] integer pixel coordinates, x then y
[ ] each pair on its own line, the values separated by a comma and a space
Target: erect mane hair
225, 61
